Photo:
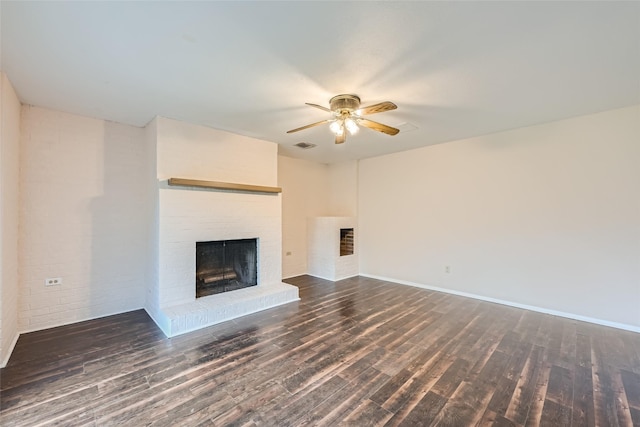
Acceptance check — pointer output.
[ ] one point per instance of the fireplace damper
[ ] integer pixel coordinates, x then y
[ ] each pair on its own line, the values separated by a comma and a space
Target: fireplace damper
225, 265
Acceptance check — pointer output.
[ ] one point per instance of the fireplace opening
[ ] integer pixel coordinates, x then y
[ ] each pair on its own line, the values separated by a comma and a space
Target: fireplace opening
225, 265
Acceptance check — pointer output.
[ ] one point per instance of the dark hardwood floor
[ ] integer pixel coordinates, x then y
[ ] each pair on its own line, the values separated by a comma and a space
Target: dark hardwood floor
356, 352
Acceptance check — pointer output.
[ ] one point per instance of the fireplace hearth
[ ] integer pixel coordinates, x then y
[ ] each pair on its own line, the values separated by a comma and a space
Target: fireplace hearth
225, 265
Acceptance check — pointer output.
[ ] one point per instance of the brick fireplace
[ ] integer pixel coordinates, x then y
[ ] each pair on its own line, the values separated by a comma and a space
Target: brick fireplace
187, 215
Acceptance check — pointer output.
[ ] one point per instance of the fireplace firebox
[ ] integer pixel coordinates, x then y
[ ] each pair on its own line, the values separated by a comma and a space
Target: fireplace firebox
225, 265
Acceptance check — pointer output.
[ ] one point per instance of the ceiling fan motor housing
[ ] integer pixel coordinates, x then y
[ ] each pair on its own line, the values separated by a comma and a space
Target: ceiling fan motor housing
347, 102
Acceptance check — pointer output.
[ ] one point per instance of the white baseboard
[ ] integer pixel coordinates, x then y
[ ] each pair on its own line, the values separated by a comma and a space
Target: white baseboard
602, 322
11, 347
295, 275
72, 322
331, 280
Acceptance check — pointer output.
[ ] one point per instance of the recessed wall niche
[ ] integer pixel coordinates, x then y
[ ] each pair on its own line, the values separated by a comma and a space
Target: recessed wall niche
346, 241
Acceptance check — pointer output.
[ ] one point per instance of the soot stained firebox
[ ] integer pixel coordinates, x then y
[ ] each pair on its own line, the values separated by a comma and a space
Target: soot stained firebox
225, 265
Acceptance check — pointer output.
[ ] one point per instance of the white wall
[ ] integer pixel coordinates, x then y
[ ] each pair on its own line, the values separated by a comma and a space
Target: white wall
9, 174
188, 215
305, 193
546, 216
83, 213
343, 188
312, 190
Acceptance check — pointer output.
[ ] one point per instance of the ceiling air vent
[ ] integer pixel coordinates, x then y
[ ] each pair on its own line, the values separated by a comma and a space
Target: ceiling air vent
406, 127
305, 145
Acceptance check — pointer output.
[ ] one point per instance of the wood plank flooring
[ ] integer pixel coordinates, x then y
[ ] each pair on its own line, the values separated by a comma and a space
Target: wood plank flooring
358, 352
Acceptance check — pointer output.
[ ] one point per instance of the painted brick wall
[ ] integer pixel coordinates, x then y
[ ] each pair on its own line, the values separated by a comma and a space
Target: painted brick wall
190, 151
189, 215
324, 258
83, 212
9, 172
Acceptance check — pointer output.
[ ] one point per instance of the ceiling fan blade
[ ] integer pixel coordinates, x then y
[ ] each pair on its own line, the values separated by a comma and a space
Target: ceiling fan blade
319, 106
378, 108
378, 126
341, 138
309, 126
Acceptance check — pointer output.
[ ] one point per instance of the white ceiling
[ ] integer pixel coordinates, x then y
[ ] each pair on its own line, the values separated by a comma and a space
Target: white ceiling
455, 69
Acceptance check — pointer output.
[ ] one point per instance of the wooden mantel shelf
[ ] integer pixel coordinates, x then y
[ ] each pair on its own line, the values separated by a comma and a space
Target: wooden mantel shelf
184, 182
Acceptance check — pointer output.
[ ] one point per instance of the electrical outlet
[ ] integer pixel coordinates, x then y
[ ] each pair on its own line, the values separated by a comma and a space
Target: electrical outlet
447, 269
53, 281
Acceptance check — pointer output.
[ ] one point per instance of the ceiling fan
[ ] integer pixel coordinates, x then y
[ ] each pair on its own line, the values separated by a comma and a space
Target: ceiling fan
346, 115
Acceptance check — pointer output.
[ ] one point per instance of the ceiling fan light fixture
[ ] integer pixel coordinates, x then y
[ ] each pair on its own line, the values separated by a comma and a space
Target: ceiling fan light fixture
337, 127
346, 113
351, 126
